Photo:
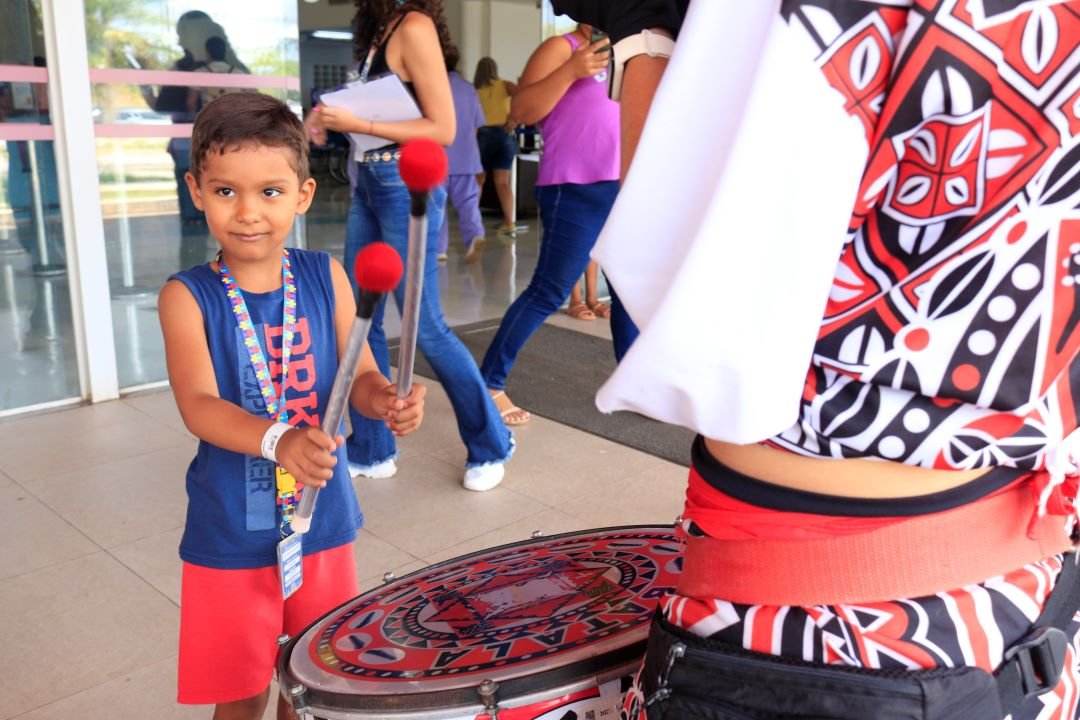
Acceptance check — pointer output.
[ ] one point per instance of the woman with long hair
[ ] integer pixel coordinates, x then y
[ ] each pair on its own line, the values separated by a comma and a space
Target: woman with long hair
410, 39
496, 138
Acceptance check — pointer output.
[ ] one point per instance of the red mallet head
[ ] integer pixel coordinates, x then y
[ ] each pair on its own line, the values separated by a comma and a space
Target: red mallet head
378, 268
422, 165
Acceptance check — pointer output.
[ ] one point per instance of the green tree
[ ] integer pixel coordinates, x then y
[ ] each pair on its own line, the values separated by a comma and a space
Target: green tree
118, 28
281, 59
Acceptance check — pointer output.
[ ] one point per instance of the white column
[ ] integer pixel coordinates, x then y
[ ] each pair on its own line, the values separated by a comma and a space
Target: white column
71, 107
473, 42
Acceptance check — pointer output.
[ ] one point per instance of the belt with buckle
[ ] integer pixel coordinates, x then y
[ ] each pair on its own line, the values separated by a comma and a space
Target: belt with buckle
375, 156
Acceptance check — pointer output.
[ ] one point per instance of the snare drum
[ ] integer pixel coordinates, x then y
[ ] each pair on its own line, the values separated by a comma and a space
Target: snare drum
544, 629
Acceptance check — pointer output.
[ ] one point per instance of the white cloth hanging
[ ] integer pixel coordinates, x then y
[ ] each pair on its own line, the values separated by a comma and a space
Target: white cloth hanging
725, 237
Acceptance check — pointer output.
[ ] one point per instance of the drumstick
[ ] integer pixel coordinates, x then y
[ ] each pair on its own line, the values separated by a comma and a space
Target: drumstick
422, 166
377, 271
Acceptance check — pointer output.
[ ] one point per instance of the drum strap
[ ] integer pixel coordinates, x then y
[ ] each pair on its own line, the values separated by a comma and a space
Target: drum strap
919, 556
685, 676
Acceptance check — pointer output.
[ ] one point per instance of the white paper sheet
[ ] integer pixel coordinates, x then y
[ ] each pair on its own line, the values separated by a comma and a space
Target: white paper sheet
381, 99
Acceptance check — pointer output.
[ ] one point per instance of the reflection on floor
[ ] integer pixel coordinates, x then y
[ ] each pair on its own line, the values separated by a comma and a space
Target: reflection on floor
95, 504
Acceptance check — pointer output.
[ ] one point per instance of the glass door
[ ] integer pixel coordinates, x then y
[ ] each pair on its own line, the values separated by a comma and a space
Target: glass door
153, 64
37, 339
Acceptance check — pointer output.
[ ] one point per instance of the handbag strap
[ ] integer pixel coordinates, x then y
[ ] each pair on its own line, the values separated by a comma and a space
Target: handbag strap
1035, 663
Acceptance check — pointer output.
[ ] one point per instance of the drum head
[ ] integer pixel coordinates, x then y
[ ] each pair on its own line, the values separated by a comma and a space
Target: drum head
531, 616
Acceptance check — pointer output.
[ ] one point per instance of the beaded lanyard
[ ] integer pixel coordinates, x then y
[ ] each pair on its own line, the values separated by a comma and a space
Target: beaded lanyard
375, 47
286, 489
367, 63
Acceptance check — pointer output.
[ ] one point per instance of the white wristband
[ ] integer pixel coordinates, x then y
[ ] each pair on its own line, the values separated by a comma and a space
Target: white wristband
270, 440
645, 42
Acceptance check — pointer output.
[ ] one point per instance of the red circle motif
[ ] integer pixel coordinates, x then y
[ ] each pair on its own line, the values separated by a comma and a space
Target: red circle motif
966, 377
918, 339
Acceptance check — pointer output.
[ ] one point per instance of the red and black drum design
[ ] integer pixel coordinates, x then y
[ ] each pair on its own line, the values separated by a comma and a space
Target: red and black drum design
524, 631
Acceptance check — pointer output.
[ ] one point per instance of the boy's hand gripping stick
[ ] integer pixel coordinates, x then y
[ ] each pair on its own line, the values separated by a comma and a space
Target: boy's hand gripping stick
422, 166
377, 271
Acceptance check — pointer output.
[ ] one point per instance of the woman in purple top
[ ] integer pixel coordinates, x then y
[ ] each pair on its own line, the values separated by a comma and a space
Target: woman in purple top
464, 159
563, 89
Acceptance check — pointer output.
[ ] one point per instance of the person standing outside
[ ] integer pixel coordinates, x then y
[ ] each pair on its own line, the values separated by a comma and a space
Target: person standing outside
216, 52
496, 137
563, 89
411, 40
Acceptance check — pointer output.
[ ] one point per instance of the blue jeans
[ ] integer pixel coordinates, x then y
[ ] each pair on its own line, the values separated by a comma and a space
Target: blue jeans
623, 330
572, 216
380, 211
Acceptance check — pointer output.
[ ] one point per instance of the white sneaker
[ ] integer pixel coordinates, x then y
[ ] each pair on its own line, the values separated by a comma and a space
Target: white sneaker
385, 469
483, 478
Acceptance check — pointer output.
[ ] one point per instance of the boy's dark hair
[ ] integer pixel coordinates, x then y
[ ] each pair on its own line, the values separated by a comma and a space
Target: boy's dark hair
236, 120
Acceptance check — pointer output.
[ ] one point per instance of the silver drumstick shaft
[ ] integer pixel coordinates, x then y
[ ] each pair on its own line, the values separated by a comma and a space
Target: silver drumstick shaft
335, 411
410, 312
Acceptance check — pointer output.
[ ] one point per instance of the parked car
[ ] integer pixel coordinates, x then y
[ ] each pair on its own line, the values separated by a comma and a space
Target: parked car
142, 116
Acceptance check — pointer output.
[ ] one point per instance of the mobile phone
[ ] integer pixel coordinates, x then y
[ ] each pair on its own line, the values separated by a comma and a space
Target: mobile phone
600, 35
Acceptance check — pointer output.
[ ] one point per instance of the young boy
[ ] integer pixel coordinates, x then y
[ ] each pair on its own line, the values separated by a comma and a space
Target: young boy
286, 313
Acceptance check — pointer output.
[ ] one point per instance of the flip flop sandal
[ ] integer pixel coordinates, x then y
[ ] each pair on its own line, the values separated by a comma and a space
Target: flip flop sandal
512, 410
580, 311
601, 309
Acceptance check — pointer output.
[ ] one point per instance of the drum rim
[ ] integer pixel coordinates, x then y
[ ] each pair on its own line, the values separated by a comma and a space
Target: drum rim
515, 692
465, 697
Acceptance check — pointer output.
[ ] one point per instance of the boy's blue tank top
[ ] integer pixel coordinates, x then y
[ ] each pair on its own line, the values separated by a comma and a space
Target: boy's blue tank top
232, 516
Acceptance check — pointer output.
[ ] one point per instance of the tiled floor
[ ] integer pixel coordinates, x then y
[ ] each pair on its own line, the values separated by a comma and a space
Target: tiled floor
95, 504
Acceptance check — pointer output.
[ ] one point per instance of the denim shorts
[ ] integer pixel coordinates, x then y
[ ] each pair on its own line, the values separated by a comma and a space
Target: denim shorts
497, 147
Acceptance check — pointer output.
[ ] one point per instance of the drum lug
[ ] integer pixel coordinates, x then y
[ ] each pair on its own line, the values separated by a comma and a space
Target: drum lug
487, 691
298, 698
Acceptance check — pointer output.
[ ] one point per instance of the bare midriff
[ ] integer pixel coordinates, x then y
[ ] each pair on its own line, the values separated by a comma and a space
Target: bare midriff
853, 477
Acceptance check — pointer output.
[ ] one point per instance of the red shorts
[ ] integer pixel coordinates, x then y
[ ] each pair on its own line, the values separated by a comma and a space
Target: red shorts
230, 621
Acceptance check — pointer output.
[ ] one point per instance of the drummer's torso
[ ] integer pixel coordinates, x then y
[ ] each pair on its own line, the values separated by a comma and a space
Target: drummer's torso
848, 478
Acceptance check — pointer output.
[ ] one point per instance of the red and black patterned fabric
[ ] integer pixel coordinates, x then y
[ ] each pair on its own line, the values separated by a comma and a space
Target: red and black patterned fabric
951, 333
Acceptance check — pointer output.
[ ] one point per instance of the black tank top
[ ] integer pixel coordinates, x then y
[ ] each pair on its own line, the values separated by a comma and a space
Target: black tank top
378, 61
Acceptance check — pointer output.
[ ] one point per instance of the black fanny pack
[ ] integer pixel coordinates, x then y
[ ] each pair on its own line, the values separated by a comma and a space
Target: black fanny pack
686, 677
